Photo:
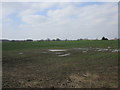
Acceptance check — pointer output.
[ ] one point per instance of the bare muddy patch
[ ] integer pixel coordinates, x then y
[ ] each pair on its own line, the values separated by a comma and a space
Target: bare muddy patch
58, 53
80, 80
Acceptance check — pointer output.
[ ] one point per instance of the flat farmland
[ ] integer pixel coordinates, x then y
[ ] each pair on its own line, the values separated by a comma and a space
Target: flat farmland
60, 64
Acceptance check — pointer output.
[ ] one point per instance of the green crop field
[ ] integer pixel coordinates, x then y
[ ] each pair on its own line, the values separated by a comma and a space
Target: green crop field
60, 64
59, 44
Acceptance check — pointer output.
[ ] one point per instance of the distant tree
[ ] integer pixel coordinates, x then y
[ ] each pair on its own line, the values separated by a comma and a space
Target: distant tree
115, 39
53, 40
29, 40
58, 39
38, 40
12, 40
103, 38
78, 39
66, 40
85, 39
96, 39
42, 40
5, 40
48, 39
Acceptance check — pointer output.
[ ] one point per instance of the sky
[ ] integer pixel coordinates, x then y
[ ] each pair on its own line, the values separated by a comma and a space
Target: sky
64, 20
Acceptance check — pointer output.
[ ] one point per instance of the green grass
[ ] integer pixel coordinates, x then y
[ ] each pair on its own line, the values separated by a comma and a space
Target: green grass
34, 68
59, 44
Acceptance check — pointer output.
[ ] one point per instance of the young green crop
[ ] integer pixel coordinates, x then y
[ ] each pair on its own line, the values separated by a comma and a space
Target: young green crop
59, 44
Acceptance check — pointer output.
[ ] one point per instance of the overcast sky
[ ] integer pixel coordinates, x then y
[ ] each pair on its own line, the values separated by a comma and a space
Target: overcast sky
62, 20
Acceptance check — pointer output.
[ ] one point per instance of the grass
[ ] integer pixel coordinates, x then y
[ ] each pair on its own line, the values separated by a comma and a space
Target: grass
39, 68
59, 44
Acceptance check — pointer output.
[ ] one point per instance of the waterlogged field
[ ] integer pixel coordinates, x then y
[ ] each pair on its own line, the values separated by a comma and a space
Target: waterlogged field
60, 64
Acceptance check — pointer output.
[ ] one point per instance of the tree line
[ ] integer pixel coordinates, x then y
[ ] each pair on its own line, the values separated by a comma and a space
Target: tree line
57, 39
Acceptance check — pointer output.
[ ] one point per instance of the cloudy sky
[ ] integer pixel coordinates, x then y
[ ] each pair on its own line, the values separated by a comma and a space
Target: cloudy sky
64, 20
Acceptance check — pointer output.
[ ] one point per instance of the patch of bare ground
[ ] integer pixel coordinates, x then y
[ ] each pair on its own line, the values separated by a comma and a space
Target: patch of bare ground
86, 80
82, 81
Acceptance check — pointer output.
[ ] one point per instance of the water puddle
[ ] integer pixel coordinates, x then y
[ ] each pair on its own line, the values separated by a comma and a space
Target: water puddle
97, 49
116, 50
20, 53
109, 47
67, 54
56, 50
101, 49
83, 48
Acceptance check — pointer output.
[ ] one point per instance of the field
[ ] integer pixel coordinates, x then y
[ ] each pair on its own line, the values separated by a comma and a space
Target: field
60, 64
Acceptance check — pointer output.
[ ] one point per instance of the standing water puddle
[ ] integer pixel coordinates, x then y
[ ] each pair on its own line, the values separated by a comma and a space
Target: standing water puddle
97, 49
116, 50
64, 54
20, 53
56, 50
